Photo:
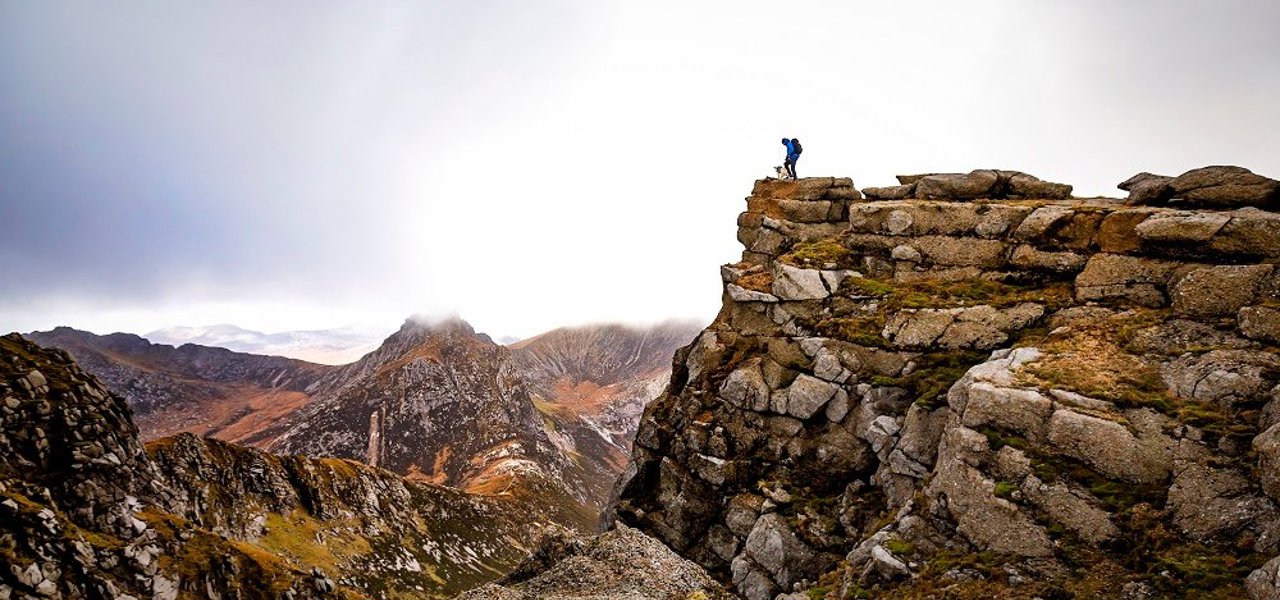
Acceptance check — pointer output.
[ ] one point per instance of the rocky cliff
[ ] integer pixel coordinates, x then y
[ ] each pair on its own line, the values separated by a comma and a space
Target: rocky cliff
977, 386
200, 389
89, 513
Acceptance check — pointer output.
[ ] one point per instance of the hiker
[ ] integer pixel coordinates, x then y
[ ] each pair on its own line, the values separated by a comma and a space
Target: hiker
793, 154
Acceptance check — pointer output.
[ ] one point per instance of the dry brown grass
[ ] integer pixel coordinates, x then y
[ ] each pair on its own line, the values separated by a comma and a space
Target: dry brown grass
1087, 358
757, 282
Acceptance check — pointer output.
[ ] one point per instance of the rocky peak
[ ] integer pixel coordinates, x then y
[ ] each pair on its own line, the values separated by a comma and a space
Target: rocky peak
416, 329
974, 382
438, 402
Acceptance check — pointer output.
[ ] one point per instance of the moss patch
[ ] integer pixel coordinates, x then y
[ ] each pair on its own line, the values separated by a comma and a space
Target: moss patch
862, 286
934, 375
863, 330
1005, 489
826, 253
972, 292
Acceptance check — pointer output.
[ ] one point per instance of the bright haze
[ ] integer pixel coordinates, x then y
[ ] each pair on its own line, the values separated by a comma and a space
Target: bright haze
527, 165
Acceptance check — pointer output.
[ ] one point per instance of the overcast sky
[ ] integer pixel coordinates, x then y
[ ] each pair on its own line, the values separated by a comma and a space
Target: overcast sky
292, 165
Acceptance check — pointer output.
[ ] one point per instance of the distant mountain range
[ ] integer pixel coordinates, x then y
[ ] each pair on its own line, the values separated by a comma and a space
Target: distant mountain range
87, 511
325, 346
552, 416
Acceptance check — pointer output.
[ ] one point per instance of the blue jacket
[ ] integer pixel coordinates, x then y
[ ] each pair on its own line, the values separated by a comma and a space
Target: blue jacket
791, 149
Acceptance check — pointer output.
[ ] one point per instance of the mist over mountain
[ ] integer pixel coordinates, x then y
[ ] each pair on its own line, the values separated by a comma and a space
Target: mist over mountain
336, 346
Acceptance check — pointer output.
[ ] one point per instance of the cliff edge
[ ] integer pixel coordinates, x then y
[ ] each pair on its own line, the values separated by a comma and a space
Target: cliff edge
976, 385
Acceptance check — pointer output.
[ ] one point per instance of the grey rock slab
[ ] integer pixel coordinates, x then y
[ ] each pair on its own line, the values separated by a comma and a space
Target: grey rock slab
893, 192
1264, 582
1218, 290
1022, 185
751, 581
808, 394
956, 186
1076, 512
1267, 445
1181, 227
990, 523
918, 328
898, 222
1147, 188
838, 408
776, 548
1260, 323
905, 252
745, 387
1224, 186
740, 294
1110, 447
791, 283
1038, 224
1024, 411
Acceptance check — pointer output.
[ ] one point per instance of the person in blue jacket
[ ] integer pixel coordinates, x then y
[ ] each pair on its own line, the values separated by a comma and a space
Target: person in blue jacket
793, 154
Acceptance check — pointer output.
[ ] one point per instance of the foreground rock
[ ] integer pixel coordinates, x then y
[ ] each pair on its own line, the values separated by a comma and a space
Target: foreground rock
1042, 398
85, 512
622, 564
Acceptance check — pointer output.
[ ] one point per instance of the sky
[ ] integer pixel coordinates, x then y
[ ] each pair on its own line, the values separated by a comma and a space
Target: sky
528, 165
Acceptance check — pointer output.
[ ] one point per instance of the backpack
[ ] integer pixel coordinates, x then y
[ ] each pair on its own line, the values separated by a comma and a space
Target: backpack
795, 145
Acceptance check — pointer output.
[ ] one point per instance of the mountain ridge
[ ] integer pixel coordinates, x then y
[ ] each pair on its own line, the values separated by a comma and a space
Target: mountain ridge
89, 512
204, 389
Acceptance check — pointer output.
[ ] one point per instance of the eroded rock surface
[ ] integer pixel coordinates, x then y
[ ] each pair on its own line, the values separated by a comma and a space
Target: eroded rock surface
1044, 397
622, 564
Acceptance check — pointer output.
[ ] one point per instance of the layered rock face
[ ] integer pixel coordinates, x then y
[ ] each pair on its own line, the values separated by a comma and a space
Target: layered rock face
1018, 397
191, 388
85, 512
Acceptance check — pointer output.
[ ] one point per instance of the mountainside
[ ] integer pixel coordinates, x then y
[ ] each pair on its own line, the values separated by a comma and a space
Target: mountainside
198, 389
557, 412
440, 403
325, 346
593, 382
551, 417
87, 513
975, 386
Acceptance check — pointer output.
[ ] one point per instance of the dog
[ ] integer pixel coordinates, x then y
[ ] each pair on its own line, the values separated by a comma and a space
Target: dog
781, 172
